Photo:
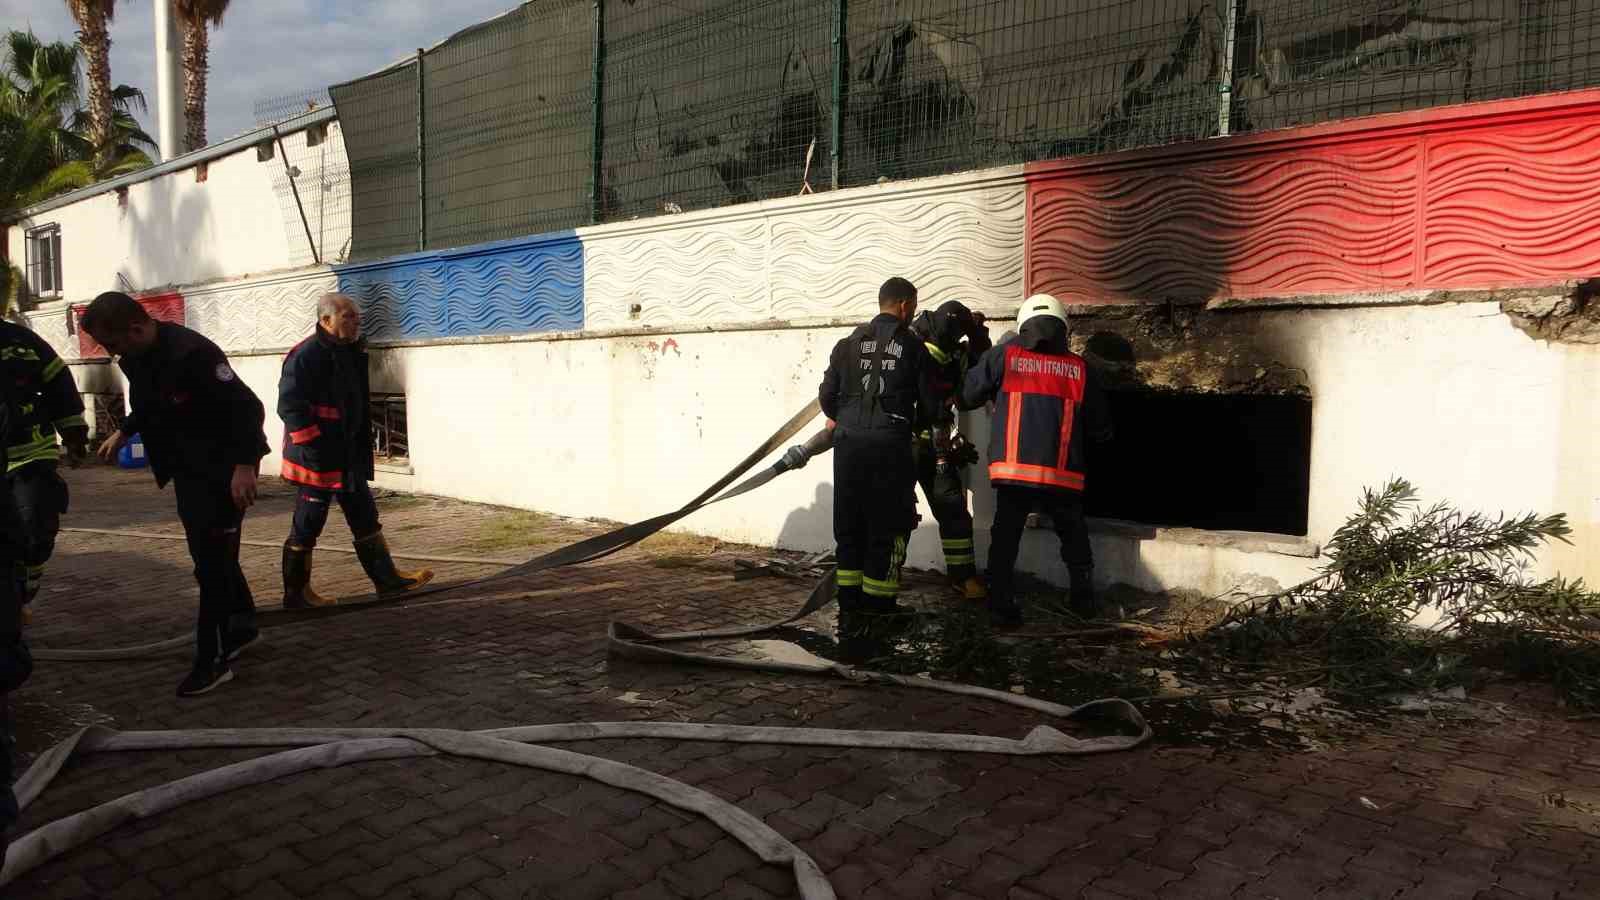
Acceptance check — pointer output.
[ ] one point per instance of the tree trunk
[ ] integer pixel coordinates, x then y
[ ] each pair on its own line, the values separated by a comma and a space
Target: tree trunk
95, 37
195, 63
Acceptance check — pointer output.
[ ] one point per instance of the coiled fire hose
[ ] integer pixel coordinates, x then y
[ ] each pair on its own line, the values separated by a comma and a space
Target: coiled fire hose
327, 748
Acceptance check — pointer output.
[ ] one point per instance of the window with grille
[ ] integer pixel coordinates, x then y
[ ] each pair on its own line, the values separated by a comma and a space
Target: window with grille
43, 252
389, 441
107, 410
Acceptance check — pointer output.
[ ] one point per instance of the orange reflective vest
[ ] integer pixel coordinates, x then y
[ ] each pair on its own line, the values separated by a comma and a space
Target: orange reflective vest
1036, 435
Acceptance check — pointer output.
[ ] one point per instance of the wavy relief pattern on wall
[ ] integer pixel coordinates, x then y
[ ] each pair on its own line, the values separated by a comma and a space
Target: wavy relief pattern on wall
684, 275
511, 287
266, 314
51, 326
1286, 223
965, 246
1513, 205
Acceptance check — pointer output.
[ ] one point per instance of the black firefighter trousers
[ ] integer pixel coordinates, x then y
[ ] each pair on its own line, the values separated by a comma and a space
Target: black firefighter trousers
212, 525
874, 509
16, 664
41, 500
1011, 509
947, 498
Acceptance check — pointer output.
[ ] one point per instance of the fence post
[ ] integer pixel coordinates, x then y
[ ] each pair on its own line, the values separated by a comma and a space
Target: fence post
1225, 94
422, 159
841, 70
598, 139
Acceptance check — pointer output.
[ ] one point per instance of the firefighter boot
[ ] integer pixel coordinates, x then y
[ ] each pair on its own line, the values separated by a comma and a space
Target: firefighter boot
850, 612
972, 589
1082, 596
373, 551
297, 592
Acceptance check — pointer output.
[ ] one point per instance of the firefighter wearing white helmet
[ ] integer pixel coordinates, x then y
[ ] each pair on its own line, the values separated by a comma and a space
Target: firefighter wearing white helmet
1047, 406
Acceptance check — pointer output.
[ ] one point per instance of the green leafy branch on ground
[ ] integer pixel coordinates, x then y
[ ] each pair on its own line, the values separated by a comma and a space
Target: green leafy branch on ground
1394, 565
1411, 598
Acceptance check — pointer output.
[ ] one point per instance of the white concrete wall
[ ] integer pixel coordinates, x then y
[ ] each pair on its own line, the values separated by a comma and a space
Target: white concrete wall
1452, 397
176, 230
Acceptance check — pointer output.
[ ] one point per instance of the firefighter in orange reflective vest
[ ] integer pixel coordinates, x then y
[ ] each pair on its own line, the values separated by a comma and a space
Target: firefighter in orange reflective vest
1045, 407
327, 451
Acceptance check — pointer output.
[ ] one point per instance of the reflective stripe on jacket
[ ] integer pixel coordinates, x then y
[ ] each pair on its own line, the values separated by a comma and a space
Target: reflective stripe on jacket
322, 399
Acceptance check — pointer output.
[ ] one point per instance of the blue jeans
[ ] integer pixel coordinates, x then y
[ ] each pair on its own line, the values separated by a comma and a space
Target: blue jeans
311, 513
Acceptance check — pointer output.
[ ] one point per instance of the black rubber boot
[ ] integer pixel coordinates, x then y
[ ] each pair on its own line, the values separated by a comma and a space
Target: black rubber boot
297, 592
1084, 602
373, 551
851, 621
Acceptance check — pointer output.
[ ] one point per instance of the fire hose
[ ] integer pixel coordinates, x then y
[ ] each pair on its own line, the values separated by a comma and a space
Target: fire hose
327, 748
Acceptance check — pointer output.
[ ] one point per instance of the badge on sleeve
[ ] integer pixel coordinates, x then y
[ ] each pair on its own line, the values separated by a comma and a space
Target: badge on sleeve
224, 374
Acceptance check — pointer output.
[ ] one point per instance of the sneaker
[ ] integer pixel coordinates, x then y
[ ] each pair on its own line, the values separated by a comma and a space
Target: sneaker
234, 644
203, 679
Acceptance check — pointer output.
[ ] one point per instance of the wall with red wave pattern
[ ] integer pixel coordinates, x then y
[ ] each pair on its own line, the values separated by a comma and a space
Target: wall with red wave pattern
1476, 196
166, 307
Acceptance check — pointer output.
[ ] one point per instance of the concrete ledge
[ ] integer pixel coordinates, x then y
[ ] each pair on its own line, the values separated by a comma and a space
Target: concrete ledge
1243, 541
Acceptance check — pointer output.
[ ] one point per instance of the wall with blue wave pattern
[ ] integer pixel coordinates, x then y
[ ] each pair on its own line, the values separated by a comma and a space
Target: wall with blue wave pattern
522, 285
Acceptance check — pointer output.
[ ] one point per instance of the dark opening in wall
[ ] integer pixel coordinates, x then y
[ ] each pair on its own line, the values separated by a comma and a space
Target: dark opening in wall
1235, 462
390, 442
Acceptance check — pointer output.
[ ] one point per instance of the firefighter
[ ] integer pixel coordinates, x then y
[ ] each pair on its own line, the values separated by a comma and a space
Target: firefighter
47, 403
327, 451
954, 338
202, 431
16, 664
1046, 406
876, 394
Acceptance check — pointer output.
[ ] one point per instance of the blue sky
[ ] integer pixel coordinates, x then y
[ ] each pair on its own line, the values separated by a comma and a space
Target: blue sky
268, 48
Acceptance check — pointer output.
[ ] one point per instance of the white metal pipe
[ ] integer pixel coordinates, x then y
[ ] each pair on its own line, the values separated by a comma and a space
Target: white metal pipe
169, 81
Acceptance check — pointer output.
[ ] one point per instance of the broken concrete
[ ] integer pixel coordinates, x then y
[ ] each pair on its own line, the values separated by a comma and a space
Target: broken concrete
1565, 314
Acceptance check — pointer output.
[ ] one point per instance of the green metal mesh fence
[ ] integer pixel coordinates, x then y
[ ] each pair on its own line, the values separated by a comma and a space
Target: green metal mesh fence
378, 115
709, 102
567, 112
508, 125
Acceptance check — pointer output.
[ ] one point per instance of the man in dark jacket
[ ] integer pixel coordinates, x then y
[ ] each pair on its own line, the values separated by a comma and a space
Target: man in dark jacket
201, 428
876, 394
47, 403
1046, 405
955, 339
327, 451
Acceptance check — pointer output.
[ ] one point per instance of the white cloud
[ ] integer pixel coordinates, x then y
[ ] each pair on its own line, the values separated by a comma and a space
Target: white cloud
268, 49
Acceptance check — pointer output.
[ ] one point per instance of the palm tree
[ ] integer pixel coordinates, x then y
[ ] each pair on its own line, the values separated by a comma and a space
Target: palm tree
94, 36
197, 16
45, 147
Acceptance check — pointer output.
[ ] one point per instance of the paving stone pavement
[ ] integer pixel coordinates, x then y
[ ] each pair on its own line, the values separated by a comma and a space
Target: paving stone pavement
1511, 810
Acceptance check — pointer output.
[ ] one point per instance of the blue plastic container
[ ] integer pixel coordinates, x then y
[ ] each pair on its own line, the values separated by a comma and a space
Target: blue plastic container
131, 456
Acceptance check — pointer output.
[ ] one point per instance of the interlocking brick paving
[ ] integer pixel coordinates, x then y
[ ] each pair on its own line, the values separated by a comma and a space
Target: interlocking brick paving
1509, 809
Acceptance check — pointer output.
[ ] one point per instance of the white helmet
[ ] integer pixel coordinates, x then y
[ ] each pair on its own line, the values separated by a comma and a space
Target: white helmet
1040, 305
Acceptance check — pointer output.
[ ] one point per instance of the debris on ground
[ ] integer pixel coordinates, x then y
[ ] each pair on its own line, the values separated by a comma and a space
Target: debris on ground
1294, 669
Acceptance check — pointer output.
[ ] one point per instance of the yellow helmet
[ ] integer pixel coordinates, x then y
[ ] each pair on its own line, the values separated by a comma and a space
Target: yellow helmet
1040, 305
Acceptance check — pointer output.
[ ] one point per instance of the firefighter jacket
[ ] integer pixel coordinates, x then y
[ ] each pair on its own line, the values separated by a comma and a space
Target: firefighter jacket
44, 396
877, 383
197, 419
942, 332
323, 401
1046, 405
